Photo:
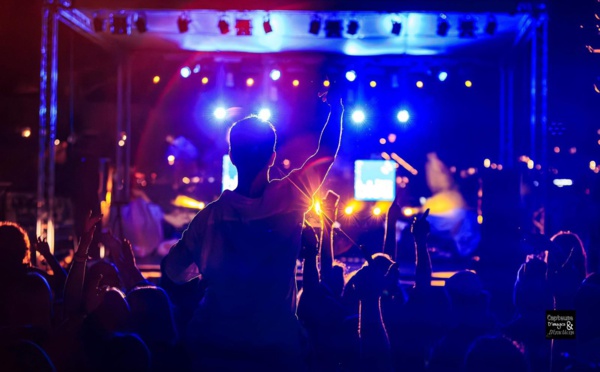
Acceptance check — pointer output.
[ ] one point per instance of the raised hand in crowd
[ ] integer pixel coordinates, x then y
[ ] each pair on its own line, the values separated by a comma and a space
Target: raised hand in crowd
420, 229
74, 283
60, 275
309, 252
121, 253
329, 216
393, 215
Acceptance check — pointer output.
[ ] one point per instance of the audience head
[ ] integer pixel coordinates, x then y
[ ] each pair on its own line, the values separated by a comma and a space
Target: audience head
587, 306
24, 356
124, 352
569, 258
112, 313
532, 292
494, 354
470, 302
336, 281
252, 145
151, 315
14, 245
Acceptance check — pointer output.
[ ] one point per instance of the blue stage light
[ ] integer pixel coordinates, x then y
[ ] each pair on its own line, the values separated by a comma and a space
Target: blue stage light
403, 116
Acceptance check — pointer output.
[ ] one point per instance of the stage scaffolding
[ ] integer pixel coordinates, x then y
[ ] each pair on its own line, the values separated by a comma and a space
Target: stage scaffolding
533, 37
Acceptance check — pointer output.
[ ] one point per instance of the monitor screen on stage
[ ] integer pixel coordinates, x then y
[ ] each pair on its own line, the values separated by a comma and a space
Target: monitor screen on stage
230, 175
374, 180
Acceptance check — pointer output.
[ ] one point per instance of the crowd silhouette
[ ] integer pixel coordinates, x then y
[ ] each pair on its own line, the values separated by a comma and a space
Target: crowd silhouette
228, 301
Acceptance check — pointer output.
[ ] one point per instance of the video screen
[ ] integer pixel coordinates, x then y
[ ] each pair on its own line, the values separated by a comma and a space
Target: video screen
374, 180
230, 175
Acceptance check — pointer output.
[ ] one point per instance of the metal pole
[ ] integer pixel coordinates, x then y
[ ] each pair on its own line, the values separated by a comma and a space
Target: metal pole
47, 128
533, 92
503, 131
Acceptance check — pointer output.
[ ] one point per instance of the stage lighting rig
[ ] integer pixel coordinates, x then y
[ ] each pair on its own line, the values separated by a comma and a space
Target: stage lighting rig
183, 23
99, 23
333, 29
141, 23
443, 25
315, 26
223, 26
467, 27
243, 27
267, 25
120, 24
396, 28
491, 26
352, 28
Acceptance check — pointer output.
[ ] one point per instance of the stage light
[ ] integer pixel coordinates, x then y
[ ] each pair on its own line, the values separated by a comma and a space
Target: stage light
267, 25
223, 26
419, 84
560, 182
264, 114
487, 163
351, 75
396, 28
376, 211
156, 79
141, 23
403, 116
295, 83
442, 76
185, 72
249, 82
468, 83
326, 83
358, 116
442, 26
352, 28
99, 23
467, 27
243, 27
275, 74
592, 165
183, 23
196, 69
318, 208
333, 29
220, 113
26, 133
171, 159
204, 80
408, 212
373, 83
315, 26
349, 210
491, 26
120, 24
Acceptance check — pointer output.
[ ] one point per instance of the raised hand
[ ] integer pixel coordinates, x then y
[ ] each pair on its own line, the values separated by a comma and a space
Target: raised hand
42, 247
310, 242
330, 204
420, 227
88, 233
395, 212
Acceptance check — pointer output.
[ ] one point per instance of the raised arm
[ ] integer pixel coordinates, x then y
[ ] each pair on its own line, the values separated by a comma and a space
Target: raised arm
74, 284
59, 274
314, 170
330, 205
309, 253
420, 230
390, 244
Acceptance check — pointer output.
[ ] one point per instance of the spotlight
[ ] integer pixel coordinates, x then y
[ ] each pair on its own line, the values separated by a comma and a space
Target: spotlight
183, 23
205, 80
220, 113
185, 72
264, 114
315, 26
349, 210
376, 211
243, 27
352, 28
333, 29
156, 79
351, 75
396, 28
403, 116
295, 83
358, 116
223, 26
326, 83
419, 84
491, 26
196, 69
267, 25
99, 23
121, 24
373, 83
443, 75
468, 83
442, 26
275, 74
141, 23
467, 27
249, 82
